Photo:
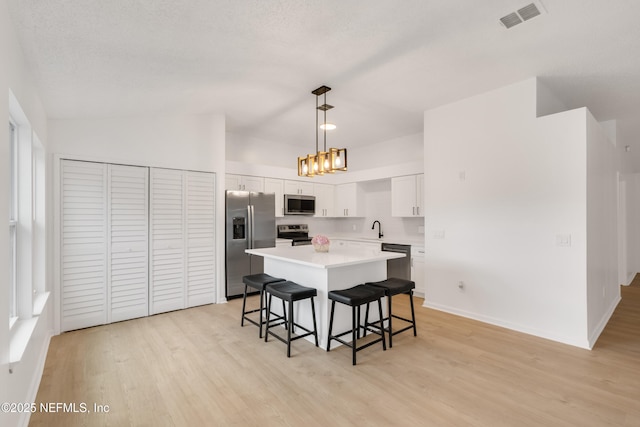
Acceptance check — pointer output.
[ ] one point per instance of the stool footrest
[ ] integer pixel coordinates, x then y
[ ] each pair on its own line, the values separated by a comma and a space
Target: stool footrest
295, 325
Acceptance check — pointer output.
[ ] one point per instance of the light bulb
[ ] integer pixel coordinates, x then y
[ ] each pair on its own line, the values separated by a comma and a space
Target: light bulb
305, 168
338, 161
315, 166
326, 163
327, 126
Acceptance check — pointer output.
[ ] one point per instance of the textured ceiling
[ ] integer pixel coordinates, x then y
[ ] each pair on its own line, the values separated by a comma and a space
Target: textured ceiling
387, 61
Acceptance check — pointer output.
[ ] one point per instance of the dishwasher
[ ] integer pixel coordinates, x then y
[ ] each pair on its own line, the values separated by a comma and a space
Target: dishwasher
399, 267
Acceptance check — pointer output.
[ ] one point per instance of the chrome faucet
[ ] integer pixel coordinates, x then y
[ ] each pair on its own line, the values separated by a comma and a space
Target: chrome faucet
379, 228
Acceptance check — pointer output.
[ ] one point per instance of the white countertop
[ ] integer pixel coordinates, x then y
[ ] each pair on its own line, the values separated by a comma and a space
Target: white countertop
414, 241
306, 255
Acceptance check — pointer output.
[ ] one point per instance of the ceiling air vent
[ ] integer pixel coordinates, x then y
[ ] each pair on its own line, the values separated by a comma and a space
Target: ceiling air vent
523, 14
528, 12
510, 20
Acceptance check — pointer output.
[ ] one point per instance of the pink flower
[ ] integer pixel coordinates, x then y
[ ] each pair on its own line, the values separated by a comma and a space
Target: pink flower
320, 240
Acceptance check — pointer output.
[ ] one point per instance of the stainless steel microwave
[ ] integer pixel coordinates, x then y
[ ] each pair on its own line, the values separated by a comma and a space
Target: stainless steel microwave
297, 204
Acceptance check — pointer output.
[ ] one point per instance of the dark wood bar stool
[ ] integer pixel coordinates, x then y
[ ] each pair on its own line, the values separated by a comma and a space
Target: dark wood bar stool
356, 297
290, 292
257, 281
394, 286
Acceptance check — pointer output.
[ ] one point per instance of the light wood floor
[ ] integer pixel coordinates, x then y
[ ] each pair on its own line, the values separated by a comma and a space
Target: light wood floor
198, 367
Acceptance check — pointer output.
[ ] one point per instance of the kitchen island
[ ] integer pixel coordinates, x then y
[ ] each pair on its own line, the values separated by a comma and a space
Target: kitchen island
325, 271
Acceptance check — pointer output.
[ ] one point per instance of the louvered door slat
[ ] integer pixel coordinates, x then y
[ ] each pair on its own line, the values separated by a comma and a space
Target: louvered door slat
167, 240
129, 244
200, 235
83, 244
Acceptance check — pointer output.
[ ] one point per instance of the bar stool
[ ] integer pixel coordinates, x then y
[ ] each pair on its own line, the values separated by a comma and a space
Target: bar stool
257, 281
394, 286
355, 297
290, 292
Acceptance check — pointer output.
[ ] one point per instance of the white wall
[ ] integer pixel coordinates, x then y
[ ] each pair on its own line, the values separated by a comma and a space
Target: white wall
603, 290
501, 187
255, 151
21, 385
399, 156
192, 142
395, 151
632, 193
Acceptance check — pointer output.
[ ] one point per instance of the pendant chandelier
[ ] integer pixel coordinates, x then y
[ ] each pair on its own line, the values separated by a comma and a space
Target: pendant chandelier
322, 161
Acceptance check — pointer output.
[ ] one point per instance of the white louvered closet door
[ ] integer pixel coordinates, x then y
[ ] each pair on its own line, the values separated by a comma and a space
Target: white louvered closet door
128, 242
167, 260
83, 244
200, 235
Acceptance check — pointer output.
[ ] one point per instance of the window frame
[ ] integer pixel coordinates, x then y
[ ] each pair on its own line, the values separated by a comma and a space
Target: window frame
13, 222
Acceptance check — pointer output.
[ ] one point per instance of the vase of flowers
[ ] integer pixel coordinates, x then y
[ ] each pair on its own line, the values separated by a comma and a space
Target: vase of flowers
321, 243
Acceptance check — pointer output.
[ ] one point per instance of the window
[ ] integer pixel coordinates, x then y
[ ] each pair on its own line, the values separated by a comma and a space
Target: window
13, 222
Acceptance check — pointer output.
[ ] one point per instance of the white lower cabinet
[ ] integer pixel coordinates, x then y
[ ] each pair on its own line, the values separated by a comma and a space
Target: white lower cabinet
354, 244
417, 270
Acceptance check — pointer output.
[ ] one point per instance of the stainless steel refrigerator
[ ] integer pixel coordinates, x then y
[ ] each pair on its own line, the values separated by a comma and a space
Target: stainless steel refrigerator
250, 224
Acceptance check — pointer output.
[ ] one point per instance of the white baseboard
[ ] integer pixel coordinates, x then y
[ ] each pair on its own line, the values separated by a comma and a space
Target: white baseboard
630, 278
36, 378
508, 325
603, 322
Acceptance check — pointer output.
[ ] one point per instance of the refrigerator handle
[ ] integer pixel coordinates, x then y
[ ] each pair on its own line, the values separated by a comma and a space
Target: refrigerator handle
251, 225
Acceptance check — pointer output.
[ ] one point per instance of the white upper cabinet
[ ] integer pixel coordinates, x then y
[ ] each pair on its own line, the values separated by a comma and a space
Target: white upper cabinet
407, 196
276, 186
244, 183
348, 200
325, 195
298, 187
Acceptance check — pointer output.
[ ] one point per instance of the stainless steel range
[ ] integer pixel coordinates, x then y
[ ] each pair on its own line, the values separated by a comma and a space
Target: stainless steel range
298, 233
